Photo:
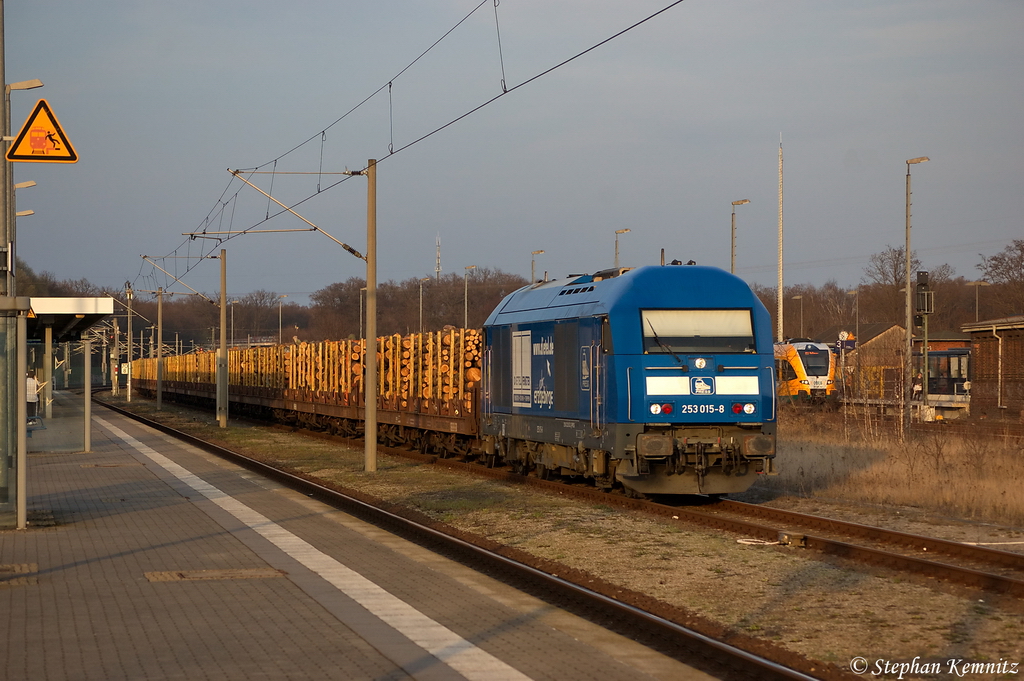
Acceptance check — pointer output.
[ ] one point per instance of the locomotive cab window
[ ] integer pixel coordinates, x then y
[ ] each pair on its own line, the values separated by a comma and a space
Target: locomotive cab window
815, 361
697, 331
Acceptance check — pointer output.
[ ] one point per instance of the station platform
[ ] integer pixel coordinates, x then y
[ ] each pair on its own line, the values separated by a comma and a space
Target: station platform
149, 559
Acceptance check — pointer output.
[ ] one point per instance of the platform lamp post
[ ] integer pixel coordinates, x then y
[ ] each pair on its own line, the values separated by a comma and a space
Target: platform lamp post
801, 299
280, 317
421, 301
12, 371
908, 344
732, 269
617, 233
465, 298
533, 268
977, 287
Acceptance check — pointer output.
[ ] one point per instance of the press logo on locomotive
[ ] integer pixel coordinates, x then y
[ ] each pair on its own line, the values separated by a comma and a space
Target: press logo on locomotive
546, 346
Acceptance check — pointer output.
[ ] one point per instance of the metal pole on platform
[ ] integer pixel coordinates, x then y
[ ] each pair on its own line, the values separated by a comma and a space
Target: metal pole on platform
222, 352
9, 376
87, 353
370, 427
115, 360
128, 379
47, 395
159, 347
22, 412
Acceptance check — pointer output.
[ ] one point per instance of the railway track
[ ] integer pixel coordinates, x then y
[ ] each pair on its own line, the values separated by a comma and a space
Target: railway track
956, 563
660, 630
975, 567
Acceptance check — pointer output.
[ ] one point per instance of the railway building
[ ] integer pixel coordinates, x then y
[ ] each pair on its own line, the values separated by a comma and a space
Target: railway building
997, 356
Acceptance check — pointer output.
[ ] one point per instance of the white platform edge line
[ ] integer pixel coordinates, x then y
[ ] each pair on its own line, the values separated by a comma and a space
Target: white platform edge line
458, 653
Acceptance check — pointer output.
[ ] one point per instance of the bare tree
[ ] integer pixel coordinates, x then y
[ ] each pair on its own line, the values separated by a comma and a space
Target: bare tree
1006, 270
888, 267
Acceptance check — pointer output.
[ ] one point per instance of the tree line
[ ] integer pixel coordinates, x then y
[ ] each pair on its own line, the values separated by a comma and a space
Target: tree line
880, 296
333, 312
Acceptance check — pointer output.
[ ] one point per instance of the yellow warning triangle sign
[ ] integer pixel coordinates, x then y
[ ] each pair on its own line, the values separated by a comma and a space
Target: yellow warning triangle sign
41, 139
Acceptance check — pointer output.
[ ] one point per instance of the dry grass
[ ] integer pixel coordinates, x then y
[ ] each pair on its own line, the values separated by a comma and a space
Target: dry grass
829, 456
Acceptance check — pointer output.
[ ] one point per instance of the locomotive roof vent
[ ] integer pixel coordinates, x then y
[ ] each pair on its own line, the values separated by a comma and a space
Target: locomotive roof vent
580, 289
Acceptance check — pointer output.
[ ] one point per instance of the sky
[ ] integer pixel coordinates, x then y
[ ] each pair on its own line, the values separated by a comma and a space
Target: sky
657, 131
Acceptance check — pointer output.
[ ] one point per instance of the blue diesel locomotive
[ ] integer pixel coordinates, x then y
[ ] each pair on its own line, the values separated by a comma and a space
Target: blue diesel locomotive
659, 378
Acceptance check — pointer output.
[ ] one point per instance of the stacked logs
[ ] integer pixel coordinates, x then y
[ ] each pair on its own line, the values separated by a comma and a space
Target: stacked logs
437, 368
434, 372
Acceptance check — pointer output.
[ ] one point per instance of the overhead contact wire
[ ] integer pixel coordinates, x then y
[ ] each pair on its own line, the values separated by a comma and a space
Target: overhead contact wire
381, 88
391, 150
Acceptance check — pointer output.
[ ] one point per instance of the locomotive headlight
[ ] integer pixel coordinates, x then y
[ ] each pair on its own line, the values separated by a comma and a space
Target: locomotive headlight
655, 409
749, 408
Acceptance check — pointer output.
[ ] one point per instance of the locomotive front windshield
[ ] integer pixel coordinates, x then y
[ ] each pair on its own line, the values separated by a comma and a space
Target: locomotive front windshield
697, 331
815, 361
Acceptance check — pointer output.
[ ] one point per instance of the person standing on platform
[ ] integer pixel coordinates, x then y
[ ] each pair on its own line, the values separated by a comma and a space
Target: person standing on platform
32, 393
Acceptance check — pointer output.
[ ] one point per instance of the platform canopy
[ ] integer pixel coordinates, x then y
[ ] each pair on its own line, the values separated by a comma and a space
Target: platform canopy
68, 317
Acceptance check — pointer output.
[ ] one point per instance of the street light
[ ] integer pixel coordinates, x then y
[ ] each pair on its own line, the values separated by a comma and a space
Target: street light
280, 301
734, 204
421, 301
801, 299
617, 233
977, 287
12, 367
533, 271
908, 346
465, 300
